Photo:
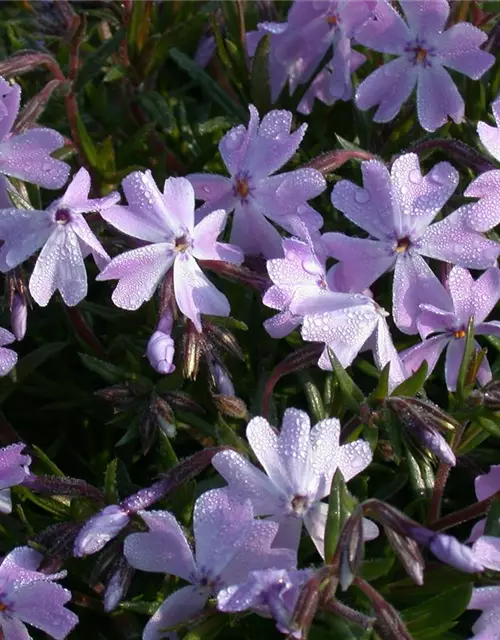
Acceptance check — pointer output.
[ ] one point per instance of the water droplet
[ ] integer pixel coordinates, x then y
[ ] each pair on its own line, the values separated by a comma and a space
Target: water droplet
362, 196
415, 176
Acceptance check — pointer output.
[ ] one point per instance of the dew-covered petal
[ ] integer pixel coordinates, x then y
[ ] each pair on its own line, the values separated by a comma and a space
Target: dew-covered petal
372, 207
484, 374
89, 240
139, 273
146, 201
461, 288
458, 48
134, 224
27, 157
14, 629
247, 482
386, 31
179, 607
289, 533
10, 100
454, 356
235, 143
99, 530
214, 189
205, 245
163, 549
194, 292
5, 501
487, 552
485, 214
484, 598
426, 17
451, 240
295, 451
23, 233
59, 266
264, 441
490, 137
315, 522
437, 98
486, 294
477, 530
324, 440
428, 350
388, 87
491, 328
178, 196
414, 284
282, 324
363, 260
78, 189
254, 234
385, 352
354, 458
8, 360
488, 484
41, 604
431, 319
421, 197
13, 465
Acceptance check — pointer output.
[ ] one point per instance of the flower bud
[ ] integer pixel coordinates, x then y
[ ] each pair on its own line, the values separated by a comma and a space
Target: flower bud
99, 530
163, 415
117, 586
19, 316
448, 549
160, 352
222, 380
231, 406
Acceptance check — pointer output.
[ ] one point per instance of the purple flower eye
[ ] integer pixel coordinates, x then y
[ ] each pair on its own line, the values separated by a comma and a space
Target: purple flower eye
62, 216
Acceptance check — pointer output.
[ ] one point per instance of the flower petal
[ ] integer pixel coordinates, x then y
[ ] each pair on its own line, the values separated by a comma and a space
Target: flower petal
163, 549
458, 48
315, 522
89, 240
437, 98
295, 451
23, 233
354, 457
428, 350
13, 465
178, 195
282, 324
139, 273
133, 223
264, 442
194, 292
487, 552
486, 294
484, 598
234, 145
27, 157
454, 355
10, 97
146, 201
461, 288
485, 214
426, 16
386, 31
59, 266
253, 233
388, 87
488, 484
205, 245
385, 352
179, 607
8, 360
14, 629
324, 440
78, 189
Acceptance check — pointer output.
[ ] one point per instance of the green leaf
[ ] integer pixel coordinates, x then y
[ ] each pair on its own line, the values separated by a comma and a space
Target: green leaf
47, 462
110, 372
259, 79
157, 109
314, 399
351, 393
488, 425
93, 64
412, 385
218, 95
493, 520
381, 391
376, 568
88, 146
348, 146
337, 515
110, 484
435, 612
466, 360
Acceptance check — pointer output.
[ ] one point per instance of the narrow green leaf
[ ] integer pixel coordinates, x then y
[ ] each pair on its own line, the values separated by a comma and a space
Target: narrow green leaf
376, 568
336, 515
351, 393
51, 467
110, 483
488, 425
466, 360
412, 385
436, 611
381, 391
157, 109
493, 521
259, 79
93, 64
110, 372
88, 146
314, 399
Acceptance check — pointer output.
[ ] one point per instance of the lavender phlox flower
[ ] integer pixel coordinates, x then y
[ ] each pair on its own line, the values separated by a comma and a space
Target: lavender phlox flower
229, 543
300, 463
26, 156
486, 599
166, 222
348, 324
14, 467
8, 358
396, 209
161, 348
100, 529
486, 550
28, 596
252, 155
19, 315
485, 214
448, 549
66, 239
298, 45
270, 593
449, 319
424, 48
486, 485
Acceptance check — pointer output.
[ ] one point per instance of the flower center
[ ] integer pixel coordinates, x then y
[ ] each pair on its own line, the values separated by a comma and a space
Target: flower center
419, 52
242, 188
3, 606
182, 243
63, 216
459, 334
403, 245
333, 20
300, 504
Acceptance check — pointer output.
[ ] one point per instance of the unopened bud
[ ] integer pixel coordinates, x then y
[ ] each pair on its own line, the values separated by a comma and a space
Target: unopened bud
164, 416
117, 394
448, 549
222, 380
488, 396
231, 406
119, 581
160, 352
435, 442
192, 342
99, 530
19, 316
223, 339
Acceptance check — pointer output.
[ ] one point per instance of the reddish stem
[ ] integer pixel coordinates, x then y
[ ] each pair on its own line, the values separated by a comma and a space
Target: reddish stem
84, 331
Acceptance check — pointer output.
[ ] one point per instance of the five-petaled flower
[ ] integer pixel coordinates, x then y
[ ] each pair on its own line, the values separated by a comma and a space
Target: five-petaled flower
251, 156
300, 463
166, 222
66, 239
14, 467
449, 319
397, 209
423, 48
229, 543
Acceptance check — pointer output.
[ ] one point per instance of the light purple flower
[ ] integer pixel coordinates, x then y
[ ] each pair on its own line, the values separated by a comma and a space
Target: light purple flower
229, 544
299, 45
19, 316
348, 328
449, 319
300, 464
14, 467
251, 156
271, 593
397, 209
161, 347
65, 237
485, 214
448, 549
486, 485
100, 529
26, 156
166, 222
423, 48
30, 597
486, 599
486, 550
8, 358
